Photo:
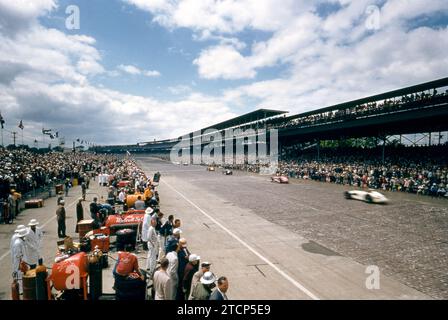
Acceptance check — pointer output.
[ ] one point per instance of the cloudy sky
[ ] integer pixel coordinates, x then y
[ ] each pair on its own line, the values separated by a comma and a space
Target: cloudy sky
138, 70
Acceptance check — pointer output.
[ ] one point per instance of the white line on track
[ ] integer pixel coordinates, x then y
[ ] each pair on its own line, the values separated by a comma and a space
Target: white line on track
281, 272
47, 222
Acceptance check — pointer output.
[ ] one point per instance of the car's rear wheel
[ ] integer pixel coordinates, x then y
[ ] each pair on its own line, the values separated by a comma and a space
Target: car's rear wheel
347, 195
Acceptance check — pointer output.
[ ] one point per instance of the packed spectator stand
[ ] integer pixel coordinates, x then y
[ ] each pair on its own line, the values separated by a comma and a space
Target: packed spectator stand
422, 170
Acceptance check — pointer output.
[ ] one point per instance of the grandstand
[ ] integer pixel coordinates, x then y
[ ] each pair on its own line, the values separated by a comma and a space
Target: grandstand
421, 108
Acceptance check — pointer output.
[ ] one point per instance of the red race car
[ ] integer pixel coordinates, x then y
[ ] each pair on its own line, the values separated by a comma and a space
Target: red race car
280, 179
131, 218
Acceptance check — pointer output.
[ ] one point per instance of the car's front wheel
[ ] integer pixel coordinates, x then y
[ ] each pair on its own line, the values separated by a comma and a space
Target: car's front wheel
347, 195
369, 198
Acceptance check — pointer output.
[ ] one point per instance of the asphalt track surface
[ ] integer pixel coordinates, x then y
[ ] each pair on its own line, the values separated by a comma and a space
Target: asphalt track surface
407, 239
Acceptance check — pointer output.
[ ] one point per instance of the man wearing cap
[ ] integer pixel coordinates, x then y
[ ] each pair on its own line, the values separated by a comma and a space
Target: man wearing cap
17, 254
203, 289
152, 248
145, 226
221, 289
79, 213
60, 214
16, 235
33, 244
172, 269
205, 267
162, 282
190, 269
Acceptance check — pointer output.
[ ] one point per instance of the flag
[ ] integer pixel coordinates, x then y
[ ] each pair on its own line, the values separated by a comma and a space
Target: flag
21, 125
2, 121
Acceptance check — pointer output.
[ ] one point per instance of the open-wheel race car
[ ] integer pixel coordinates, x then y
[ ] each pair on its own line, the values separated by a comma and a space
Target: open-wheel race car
280, 179
227, 172
130, 219
370, 196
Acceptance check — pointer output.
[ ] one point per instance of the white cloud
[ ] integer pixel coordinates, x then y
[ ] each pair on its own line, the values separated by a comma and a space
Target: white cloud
21, 14
179, 89
136, 71
44, 80
51, 55
223, 62
223, 16
129, 69
151, 73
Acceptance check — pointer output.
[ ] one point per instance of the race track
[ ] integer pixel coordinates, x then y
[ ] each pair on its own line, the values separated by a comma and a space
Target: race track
406, 239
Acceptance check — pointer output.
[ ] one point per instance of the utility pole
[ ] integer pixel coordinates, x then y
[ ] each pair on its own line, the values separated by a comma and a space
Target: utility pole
14, 137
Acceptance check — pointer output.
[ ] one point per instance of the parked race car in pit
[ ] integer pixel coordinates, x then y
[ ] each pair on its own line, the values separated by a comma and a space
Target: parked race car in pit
280, 179
370, 196
227, 172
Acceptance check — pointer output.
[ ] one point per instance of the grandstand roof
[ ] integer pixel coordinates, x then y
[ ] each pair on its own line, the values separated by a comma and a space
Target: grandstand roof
440, 83
259, 114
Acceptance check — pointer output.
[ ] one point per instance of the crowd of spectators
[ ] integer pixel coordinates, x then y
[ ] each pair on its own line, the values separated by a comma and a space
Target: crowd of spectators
421, 170
25, 171
362, 110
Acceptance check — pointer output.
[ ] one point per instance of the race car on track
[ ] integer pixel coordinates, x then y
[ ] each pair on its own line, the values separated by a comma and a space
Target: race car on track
280, 179
370, 196
227, 172
186, 163
210, 168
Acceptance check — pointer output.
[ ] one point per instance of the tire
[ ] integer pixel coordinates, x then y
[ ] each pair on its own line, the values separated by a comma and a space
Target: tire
347, 195
369, 199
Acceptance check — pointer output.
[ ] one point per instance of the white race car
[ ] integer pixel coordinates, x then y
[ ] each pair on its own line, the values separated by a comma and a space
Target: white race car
227, 172
370, 196
280, 179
